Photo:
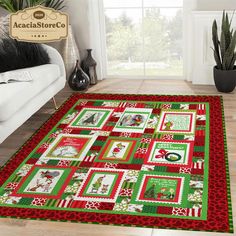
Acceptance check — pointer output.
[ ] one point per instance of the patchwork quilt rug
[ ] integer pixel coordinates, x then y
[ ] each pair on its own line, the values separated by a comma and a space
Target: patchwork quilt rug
136, 160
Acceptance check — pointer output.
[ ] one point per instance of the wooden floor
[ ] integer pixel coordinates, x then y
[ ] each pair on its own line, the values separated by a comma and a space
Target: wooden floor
11, 227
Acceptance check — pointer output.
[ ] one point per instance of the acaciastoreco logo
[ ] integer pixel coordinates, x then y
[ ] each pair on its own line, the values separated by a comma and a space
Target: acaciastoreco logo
39, 24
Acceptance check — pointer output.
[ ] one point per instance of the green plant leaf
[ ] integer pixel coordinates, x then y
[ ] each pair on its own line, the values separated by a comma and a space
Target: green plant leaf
233, 62
33, 3
222, 49
56, 4
223, 21
7, 5
16, 5
215, 40
227, 32
217, 59
229, 54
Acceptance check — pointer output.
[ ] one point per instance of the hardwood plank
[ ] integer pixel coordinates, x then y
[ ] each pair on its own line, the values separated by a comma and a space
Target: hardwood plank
162, 232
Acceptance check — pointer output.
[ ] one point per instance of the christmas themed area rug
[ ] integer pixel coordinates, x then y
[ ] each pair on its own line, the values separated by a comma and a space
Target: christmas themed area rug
133, 160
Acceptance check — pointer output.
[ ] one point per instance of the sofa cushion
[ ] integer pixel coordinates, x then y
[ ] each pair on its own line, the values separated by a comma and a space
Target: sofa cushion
15, 95
17, 55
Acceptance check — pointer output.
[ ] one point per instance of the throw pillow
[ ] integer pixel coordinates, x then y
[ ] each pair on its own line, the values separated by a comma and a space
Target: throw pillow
17, 55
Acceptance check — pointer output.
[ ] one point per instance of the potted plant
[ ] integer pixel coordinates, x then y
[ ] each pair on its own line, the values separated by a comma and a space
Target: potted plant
16, 5
225, 55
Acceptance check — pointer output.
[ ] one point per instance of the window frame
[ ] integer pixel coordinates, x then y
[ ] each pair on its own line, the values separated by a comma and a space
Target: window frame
103, 44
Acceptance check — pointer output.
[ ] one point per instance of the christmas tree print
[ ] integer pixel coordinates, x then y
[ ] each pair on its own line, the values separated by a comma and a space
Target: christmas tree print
90, 120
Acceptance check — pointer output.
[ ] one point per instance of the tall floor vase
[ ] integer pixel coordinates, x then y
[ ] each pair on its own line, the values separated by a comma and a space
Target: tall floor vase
70, 52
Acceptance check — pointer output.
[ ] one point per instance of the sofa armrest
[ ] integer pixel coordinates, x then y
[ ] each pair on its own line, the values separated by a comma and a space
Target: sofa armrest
55, 58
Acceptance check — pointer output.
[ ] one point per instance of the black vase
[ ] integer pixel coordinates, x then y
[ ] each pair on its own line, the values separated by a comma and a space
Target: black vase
78, 80
225, 80
89, 67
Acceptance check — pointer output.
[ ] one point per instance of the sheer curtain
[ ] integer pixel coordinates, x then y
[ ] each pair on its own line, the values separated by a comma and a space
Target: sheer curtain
96, 42
189, 6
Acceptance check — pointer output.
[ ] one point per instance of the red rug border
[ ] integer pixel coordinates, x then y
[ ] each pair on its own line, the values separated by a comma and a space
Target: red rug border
215, 220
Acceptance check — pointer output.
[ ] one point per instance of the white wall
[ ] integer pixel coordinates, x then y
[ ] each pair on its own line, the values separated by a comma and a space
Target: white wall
78, 11
215, 5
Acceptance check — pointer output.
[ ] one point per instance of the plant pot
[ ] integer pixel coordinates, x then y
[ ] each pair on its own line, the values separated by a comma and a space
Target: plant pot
225, 80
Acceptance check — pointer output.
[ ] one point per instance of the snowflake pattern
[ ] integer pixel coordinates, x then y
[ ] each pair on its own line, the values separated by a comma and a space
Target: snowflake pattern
39, 202
64, 163
185, 170
83, 103
125, 134
146, 140
168, 137
126, 192
92, 205
11, 185
178, 211
66, 131
110, 165
55, 134
141, 150
131, 104
166, 106
45, 146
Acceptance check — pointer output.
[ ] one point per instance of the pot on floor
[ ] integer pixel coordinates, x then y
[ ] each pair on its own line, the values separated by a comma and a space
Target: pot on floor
225, 80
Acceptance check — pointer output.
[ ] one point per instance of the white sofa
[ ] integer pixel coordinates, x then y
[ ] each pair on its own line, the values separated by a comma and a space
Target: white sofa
20, 100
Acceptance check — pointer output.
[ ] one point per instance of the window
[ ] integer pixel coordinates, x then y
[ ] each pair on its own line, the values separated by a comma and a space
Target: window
143, 38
